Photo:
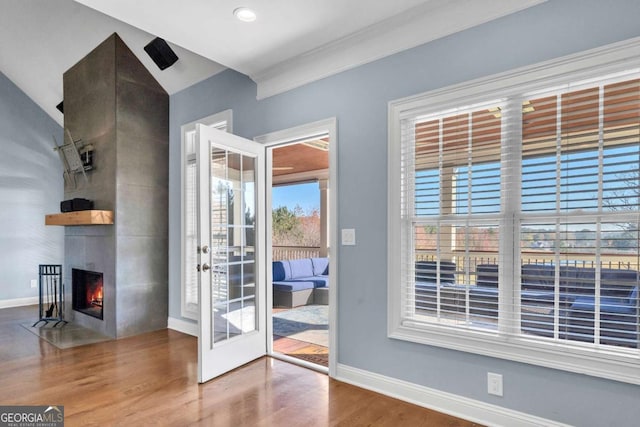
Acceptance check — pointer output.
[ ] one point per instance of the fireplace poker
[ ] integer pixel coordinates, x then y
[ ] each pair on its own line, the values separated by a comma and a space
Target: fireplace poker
49, 312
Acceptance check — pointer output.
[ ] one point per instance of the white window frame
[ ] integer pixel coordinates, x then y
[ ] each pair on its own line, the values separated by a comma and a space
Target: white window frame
605, 363
222, 121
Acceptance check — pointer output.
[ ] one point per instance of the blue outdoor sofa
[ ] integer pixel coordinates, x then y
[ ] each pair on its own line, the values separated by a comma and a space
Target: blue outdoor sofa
300, 282
619, 301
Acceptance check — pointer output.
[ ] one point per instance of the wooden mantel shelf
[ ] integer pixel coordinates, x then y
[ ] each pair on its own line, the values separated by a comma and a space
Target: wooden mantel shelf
92, 217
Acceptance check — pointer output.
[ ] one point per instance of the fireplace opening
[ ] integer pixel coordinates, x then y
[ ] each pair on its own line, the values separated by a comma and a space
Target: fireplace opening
87, 290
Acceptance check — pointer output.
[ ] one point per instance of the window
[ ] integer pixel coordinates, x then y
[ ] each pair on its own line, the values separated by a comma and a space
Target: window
513, 217
220, 121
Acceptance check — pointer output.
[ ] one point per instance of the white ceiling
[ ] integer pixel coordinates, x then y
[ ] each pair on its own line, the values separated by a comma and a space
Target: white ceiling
291, 43
41, 39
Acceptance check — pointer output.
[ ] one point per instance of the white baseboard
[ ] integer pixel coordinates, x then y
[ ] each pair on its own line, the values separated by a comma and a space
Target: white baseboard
457, 406
186, 327
18, 302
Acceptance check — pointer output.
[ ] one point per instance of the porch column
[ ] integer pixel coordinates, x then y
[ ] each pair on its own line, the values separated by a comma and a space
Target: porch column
324, 217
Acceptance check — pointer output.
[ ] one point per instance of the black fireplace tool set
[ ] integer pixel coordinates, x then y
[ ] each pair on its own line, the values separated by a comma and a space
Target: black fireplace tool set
51, 300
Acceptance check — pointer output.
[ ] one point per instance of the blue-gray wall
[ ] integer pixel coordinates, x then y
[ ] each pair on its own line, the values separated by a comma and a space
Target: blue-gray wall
358, 98
30, 187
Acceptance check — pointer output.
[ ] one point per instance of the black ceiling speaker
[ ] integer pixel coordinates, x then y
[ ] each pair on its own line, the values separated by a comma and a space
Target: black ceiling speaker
60, 107
161, 53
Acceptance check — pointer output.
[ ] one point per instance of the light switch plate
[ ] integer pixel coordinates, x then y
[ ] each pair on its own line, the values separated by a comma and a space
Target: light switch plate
348, 237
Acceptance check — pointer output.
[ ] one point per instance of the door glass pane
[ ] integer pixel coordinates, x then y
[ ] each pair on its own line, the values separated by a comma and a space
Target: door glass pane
249, 209
233, 201
248, 272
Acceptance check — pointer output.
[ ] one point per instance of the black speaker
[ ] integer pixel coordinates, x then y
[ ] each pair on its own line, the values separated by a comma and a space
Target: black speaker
161, 53
76, 204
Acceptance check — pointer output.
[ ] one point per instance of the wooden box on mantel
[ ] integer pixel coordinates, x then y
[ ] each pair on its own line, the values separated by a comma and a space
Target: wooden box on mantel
90, 217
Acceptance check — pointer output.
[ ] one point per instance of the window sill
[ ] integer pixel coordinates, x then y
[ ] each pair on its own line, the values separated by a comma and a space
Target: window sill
572, 358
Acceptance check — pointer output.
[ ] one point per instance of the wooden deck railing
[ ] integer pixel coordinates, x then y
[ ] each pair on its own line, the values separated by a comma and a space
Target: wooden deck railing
473, 259
295, 252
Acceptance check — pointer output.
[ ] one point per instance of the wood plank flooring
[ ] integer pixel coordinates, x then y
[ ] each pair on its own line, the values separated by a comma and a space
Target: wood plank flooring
151, 379
300, 349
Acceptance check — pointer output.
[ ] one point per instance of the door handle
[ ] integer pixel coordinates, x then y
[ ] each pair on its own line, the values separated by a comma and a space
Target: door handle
205, 267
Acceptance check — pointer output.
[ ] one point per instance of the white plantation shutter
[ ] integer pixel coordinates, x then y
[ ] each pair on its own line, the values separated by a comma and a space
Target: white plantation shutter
518, 221
452, 196
190, 237
190, 218
579, 226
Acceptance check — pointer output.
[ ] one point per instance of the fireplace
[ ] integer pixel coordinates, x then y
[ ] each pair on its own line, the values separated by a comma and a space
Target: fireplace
87, 293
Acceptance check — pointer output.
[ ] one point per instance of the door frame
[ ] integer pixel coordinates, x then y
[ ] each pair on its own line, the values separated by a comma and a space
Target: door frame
284, 137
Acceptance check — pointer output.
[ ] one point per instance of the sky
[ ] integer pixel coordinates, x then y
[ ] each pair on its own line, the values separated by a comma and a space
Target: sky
307, 195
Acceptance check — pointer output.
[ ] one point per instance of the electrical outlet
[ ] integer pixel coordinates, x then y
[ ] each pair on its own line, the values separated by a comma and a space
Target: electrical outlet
34, 283
494, 384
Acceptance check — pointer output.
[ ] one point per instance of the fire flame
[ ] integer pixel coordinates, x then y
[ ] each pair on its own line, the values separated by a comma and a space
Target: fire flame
94, 296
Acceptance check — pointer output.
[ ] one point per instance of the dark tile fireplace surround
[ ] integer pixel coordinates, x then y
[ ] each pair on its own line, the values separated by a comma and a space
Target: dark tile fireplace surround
114, 104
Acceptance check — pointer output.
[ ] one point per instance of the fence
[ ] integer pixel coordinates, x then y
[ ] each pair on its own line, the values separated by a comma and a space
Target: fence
471, 260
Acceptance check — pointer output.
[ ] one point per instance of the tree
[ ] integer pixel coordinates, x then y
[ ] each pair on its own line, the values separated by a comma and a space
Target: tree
626, 199
295, 228
310, 227
284, 222
286, 227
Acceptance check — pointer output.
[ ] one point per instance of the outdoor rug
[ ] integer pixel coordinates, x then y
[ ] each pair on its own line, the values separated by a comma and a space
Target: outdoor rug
65, 336
308, 323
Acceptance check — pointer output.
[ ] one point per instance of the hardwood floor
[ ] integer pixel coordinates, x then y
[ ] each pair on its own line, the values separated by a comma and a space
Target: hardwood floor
151, 379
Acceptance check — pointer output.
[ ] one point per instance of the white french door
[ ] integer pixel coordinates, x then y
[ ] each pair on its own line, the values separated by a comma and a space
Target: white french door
231, 251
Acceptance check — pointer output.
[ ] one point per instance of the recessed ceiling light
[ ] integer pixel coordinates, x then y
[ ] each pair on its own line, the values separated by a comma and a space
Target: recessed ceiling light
245, 14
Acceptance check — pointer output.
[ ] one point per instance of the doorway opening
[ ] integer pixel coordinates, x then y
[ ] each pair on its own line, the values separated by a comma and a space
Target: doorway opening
300, 176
